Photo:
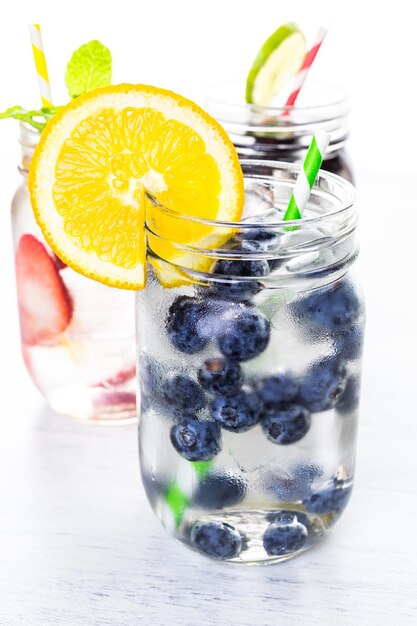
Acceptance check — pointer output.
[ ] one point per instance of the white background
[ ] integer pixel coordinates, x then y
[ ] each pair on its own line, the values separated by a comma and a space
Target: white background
73, 521
185, 45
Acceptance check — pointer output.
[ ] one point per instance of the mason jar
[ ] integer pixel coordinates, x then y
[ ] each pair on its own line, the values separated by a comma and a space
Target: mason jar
284, 133
250, 341
77, 336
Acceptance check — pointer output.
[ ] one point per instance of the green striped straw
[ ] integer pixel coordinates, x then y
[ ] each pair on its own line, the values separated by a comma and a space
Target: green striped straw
179, 493
307, 176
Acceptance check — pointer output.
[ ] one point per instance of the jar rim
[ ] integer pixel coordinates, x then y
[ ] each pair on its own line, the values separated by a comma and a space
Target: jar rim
345, 188
340, 98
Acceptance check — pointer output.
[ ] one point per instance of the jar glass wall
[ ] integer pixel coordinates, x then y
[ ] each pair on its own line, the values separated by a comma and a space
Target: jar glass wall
250, 338
284, 133
78, 336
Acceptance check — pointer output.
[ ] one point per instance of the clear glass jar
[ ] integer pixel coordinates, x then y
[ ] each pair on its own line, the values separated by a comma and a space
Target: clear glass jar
284, 133
250, 356
78, 336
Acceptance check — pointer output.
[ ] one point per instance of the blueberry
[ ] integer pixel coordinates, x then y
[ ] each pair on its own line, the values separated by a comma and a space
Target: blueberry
264, 236
215, 313
237, 413
217, 491
220, 376
236, 288
182, 321
323, 385
148, 368
216, 539
349, 344
334, 308
287, 425
263, 240
242, 267
149, 381
183, 394
332, 500
246, 335
195, 440
349, 400
295, 485
285, 535
274, 391
288, 517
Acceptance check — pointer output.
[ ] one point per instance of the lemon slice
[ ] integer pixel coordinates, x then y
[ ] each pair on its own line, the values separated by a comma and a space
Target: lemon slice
100, 154
276, 63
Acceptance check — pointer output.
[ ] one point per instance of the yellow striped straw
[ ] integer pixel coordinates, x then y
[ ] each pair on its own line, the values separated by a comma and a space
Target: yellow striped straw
40, 64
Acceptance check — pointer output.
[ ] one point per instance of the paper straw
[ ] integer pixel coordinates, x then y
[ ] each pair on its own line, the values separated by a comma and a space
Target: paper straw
307, 176
306, 66
179, 493
40, 64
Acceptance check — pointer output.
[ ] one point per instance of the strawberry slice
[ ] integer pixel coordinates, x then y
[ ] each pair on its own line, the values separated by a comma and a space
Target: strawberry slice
60, 264
123, 376
45, 306
121, 399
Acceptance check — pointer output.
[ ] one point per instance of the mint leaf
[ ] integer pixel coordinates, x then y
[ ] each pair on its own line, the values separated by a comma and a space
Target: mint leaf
89, 68
37, 118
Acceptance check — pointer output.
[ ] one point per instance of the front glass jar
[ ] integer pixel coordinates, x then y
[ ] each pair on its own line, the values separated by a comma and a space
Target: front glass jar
250, 341
284, 133
78, 336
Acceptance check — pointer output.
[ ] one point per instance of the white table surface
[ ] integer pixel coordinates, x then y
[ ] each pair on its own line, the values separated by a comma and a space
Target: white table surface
79, 545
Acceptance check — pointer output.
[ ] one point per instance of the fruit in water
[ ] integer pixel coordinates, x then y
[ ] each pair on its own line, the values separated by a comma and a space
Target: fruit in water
115, 400
217, 491
334, 308
332, 500
182, 325
276, 390
236, 413
245, 336
183, 394
287, 425
349, 344
285, 535
196, 440
149, 381
120, 378
349, 399
234, 287
45, 306
263, 240
322, 385
216, 539
220, 376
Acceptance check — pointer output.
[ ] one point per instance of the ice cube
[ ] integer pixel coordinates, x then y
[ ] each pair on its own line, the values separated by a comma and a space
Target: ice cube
259, 203
302, 262
302, 238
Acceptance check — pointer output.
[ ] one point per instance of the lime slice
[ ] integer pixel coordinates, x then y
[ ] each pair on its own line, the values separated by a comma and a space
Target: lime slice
276, 63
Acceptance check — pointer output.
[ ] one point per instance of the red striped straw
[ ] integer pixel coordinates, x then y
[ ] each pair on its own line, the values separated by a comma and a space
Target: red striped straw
305, 68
